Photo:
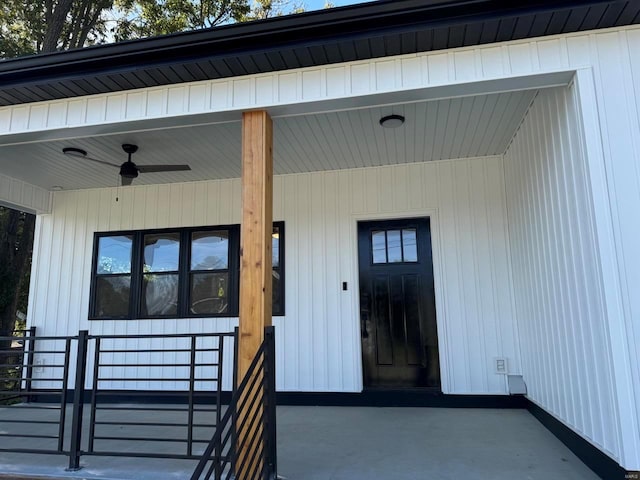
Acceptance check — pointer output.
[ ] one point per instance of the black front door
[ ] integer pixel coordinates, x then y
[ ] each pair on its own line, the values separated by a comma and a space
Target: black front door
397, 304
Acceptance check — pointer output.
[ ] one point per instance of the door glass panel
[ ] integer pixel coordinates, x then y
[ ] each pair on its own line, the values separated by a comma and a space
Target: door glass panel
161, 252
394, 246
160, 295
112, 296
210, 250
409, 245
275, 247
114, 254
209, 293
379, 246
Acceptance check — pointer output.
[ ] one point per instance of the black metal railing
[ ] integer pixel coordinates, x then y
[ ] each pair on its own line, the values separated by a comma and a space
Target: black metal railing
190, 409
44, 425
132, 384
15, 354
244, 444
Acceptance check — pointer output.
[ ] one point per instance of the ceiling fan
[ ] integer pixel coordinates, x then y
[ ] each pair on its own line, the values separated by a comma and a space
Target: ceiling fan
128, 170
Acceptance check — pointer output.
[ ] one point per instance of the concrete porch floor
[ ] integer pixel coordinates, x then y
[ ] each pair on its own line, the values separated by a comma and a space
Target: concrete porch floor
355, 443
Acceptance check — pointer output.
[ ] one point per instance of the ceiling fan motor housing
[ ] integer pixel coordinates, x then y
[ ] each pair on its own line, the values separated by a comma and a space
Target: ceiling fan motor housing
129, 170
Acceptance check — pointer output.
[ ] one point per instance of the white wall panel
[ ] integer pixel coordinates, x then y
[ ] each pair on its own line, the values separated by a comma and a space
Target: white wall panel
566, 352
318, 345
18, 194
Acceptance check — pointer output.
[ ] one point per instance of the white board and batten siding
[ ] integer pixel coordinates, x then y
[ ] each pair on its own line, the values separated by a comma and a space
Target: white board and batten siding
23, 196
318, 342
558, 286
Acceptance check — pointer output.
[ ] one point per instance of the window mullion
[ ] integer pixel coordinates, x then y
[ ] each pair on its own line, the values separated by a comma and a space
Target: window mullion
184, 279
136, 276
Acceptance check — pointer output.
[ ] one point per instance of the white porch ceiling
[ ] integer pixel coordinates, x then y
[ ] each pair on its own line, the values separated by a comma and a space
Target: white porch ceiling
434, 130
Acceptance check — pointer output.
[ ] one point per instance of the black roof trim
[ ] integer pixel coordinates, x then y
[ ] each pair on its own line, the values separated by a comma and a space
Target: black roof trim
356, 32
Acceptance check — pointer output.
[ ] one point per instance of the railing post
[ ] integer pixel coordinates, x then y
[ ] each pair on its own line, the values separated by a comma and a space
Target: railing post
270, 400
30, 347
78, 401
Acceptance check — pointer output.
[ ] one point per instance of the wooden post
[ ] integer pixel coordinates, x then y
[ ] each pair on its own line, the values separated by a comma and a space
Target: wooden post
255, 273
256, 231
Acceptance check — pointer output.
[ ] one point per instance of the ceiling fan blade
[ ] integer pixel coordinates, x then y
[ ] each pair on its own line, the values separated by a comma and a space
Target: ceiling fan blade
126, 181
102, 162
162, 168
78, 153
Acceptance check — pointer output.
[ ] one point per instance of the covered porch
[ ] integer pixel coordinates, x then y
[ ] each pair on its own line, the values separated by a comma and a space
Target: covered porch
496, 159
361, 443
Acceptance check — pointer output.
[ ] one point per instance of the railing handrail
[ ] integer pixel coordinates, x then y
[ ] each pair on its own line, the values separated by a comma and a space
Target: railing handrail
264, 361
163, 335
235, 398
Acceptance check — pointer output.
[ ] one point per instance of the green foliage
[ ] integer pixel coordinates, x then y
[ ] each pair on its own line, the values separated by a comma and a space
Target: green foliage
147, 18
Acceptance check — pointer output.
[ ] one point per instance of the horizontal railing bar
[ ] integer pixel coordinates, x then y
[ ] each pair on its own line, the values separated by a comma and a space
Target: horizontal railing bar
144, 424
50, 352
36, 379
52, 422
35, 365
144, 439
145, 409
158, 365
169, 393
38, 337
173, 456
162, 335
32, 450
32, 407
25, 435
158, 350
32, 393
124, 379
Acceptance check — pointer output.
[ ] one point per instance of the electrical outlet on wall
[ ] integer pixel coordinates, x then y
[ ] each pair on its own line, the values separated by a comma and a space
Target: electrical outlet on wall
39, 365
500, 365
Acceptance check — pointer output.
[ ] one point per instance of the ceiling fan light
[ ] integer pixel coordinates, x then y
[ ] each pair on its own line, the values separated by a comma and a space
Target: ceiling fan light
74, 152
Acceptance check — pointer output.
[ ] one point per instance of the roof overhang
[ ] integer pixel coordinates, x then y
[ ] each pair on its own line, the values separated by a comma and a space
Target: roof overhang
359, 32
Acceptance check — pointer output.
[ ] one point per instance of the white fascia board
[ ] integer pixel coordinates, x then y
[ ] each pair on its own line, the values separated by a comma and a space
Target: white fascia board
514, 65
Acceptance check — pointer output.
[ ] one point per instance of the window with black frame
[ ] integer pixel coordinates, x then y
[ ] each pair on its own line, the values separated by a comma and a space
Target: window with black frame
209, 273
112, 276
174, 273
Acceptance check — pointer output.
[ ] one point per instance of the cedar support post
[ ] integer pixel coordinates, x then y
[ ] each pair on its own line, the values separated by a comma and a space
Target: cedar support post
255, 255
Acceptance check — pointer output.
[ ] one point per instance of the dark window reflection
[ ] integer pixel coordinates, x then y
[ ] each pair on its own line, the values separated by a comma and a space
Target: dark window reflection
209, 293
112, 295
160, 294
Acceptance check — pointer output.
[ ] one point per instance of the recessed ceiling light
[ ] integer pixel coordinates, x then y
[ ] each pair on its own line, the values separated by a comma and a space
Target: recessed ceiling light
392, 121
56, 188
